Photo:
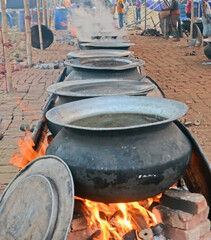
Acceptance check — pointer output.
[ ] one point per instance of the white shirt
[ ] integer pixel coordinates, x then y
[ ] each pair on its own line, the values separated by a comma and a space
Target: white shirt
113, 1
207, 8
126, 6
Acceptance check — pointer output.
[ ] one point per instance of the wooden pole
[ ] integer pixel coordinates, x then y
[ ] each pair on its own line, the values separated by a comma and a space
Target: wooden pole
48, 13
6, 47
28, 32
39, 24
192, 18
44, 12
145, 24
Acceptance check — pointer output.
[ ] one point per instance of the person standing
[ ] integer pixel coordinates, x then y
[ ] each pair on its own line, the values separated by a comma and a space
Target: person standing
126, 8
206, 18
67, 3
138, 10
174, 17
120, 11
114, 3
188, 9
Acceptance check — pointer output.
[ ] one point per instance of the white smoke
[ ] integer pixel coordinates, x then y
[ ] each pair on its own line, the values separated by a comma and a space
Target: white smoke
95, 21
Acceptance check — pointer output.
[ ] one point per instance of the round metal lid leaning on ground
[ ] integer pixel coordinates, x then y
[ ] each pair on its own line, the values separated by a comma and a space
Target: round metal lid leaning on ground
39, 201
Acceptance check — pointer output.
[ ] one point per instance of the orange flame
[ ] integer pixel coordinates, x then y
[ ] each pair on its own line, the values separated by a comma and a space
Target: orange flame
74, 32
116, 219
64, 24
27, 152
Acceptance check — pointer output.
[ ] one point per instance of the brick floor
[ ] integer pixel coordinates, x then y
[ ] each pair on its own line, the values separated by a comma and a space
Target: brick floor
181, 77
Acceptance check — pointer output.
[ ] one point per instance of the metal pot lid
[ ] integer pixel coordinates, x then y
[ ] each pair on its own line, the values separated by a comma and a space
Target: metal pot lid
106, 44
102, 87
39, 201
164, 109
105, 63
99, 53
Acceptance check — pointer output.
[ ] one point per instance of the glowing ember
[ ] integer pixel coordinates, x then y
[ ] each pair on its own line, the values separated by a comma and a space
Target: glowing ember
26, 151
117, 219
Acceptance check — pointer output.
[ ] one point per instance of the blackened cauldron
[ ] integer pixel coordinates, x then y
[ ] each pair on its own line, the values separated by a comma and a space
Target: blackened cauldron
121, 163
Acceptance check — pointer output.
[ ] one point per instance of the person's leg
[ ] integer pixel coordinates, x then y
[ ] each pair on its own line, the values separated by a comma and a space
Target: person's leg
139, 14
9, 20
120, 20
174, 22
188, 15
126, 18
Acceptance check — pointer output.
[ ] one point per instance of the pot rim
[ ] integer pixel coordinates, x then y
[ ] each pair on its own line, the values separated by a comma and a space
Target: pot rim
64, 114
140, 87
108, 44
130, 63
96, 53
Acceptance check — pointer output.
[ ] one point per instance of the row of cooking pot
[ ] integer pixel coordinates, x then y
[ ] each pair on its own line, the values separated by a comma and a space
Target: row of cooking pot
119, 148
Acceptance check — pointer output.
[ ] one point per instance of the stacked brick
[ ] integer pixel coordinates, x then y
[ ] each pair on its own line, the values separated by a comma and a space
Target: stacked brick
184, 215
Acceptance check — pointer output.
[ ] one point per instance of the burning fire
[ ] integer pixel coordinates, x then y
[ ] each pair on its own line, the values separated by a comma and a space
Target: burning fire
26, 152
115, 220
74, 32
26, 146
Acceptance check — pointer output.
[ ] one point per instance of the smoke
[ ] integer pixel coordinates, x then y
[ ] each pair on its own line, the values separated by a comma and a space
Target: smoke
95, 21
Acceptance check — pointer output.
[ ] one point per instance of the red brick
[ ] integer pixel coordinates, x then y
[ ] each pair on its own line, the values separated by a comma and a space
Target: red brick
183, 200
179, 234
178, 218
206, 236
204, 227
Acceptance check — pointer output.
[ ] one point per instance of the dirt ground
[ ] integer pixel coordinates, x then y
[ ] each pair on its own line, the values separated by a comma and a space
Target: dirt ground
181, 77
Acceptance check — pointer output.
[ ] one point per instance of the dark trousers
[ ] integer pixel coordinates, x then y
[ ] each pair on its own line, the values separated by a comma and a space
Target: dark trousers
120, 20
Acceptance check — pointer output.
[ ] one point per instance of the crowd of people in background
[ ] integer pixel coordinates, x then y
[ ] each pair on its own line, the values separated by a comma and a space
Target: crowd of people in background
122, 10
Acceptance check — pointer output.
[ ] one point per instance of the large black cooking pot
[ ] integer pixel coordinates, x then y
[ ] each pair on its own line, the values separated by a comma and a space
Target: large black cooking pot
81, 89
128, 159
98, 68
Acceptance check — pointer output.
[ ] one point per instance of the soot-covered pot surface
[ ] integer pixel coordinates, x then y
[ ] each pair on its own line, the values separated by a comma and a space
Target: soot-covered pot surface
122, 148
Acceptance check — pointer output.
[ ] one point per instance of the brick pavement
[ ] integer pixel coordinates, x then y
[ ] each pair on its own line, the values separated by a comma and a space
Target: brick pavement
181, 77
25, 105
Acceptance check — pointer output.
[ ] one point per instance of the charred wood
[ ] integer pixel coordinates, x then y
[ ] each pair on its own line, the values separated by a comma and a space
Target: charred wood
158, 229
130, 235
